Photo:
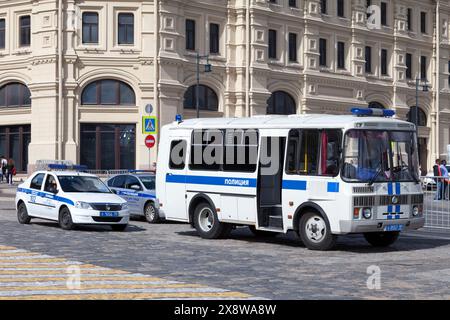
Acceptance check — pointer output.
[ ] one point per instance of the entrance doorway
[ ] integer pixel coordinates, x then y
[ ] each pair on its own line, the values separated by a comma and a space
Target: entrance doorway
423, 156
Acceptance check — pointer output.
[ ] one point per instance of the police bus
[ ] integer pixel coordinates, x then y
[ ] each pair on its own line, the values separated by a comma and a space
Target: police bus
319, 175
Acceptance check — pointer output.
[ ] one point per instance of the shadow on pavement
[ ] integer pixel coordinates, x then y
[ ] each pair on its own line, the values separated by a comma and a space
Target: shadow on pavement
91, 228
349, 243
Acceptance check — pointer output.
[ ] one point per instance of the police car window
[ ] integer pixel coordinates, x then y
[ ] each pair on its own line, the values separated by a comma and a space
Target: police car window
148, 182
119, 182
85, 184
132, 183
111, 182
50, 184
37, 181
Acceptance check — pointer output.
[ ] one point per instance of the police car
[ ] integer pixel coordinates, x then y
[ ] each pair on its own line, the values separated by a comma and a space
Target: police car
138, 189
71, 198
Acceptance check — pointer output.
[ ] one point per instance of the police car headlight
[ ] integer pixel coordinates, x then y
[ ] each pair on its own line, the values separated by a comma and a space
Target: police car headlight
367, 213
83, 205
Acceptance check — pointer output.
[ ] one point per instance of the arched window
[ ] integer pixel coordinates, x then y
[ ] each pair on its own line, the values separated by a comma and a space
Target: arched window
281, 102
108, 92
15, 95
376, 105
422, 116
207, 98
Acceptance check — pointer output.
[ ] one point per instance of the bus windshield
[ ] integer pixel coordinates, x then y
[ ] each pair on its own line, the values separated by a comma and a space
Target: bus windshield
380, 156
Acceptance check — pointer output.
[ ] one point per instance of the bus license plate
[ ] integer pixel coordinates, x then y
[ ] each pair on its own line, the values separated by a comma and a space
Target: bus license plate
109, 214
394, 227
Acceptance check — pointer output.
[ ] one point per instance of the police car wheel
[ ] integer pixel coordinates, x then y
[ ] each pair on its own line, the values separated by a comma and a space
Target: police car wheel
150, 213
381, 239
262, 233
22, 214
315, 232
207, 223
119, 227
65, 220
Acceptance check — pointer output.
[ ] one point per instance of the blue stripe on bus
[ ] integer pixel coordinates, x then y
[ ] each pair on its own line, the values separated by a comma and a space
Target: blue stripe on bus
294, 185
216, 181
45, 195
333, 187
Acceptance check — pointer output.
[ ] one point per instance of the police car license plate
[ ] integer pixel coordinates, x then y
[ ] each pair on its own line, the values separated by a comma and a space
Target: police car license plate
394, 227
109, 214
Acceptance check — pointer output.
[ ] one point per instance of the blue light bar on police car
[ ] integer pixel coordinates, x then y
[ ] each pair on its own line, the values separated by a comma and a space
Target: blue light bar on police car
367, 112
62, 167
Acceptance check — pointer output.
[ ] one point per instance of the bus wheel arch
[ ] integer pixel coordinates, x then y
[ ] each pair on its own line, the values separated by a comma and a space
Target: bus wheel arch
313, 227
308, 207
195, 201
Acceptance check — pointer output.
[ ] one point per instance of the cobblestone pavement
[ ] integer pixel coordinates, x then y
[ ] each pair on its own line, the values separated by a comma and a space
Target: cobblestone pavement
26, 275
416, 267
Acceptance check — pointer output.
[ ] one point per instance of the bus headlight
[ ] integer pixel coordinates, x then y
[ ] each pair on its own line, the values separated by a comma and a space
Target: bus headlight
415, 211
367, 213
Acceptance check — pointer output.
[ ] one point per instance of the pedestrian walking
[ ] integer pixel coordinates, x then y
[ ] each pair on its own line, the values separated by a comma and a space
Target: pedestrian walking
3, 164
445, 180
10, 171
437, 179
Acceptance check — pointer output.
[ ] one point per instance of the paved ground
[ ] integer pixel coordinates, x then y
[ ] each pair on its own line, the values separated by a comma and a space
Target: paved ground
416, 267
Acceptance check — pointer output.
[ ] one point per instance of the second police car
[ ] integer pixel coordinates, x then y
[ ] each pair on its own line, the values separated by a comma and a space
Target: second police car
138, 189
71, 198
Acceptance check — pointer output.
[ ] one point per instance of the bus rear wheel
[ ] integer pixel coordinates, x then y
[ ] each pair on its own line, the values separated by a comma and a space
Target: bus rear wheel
207, 223
315, 232
381, 239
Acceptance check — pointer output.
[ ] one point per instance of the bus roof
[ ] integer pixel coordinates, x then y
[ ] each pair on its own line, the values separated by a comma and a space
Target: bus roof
292, 121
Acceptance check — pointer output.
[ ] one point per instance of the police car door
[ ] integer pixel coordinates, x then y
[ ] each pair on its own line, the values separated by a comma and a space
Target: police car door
49, 199
33, 196
133, 188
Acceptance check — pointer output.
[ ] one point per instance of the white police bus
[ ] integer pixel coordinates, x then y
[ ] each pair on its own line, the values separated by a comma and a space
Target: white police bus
320, 175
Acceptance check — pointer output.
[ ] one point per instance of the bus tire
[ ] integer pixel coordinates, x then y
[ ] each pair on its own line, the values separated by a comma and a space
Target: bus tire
65, 219
207, 223
381, 239
315, 232
22, 214
150, 213
262, 233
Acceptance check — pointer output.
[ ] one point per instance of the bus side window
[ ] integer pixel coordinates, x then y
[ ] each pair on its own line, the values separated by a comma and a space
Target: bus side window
292, 152
330, 152
177, 157
309, 152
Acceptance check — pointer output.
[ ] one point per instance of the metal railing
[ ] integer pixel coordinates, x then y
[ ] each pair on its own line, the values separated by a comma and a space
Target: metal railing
436, 206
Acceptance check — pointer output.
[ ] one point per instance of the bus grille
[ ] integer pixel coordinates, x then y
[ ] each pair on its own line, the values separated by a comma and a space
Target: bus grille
387, 200
364, 201
366, 189
417, 198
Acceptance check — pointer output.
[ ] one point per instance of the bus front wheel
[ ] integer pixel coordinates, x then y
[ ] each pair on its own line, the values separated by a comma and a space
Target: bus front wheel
315, 232
207, 223
381, 239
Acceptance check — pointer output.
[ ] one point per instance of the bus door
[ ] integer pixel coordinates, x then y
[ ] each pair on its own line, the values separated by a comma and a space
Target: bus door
270, 174
174, 205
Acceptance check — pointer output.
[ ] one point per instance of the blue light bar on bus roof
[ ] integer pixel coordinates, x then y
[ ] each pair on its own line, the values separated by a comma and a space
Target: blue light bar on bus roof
367, 112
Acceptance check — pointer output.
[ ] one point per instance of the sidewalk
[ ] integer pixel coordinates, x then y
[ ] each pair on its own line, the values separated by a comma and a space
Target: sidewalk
8, 192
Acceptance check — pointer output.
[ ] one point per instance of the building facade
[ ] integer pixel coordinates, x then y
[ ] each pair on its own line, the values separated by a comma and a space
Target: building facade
265, 56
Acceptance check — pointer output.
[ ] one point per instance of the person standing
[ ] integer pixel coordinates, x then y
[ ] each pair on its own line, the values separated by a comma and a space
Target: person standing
445, 176
437, 174
10, 171
3, 164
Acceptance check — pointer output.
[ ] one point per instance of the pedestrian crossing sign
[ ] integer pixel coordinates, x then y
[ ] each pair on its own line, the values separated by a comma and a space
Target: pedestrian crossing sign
149, 125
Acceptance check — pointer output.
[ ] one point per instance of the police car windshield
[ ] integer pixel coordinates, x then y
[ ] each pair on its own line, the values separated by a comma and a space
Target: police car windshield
148, 182
84, 184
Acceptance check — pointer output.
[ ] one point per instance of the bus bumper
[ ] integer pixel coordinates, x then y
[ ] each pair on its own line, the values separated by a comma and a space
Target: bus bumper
379, 225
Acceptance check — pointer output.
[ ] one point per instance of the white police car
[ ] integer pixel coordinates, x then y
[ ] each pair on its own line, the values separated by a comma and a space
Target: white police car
138, 189
71, 198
